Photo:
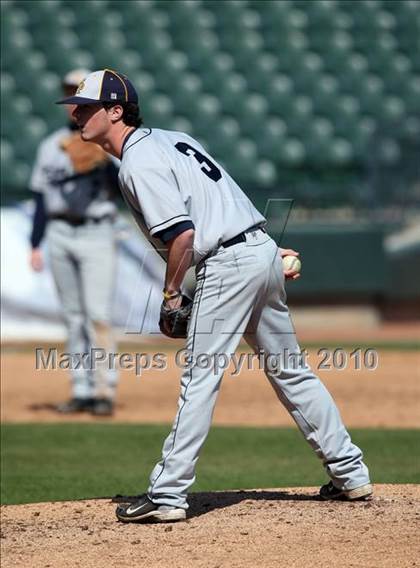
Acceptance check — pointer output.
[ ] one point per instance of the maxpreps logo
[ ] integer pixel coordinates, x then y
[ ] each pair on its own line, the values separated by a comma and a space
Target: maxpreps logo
80, 87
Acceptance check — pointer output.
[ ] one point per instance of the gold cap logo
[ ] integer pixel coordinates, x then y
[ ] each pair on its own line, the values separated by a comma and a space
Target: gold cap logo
80, 87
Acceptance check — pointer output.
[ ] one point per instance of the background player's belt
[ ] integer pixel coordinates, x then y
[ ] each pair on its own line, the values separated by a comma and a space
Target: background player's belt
77, 221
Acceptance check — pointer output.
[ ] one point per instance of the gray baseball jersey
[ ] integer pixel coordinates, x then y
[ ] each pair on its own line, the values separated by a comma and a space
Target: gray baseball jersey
64, 192
167, 177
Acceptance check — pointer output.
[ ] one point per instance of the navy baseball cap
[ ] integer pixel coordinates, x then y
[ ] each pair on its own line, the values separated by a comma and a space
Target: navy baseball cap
105, 86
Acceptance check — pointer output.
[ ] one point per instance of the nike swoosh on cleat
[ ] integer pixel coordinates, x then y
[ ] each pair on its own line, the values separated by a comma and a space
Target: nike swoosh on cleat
132, 509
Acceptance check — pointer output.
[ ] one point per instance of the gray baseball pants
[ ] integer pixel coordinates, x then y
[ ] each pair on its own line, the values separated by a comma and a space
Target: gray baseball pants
240, 291
83, 263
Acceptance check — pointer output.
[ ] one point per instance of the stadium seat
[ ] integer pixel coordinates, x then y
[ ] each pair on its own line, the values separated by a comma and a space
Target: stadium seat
243, 160
270, 136
265, 174
317, 135
186, 91
269, 85
280, 93
158, 110
298, 114
340, 152
292, 153
230, 91
35, 130
324, 93
62, 62
6, 154
225, 136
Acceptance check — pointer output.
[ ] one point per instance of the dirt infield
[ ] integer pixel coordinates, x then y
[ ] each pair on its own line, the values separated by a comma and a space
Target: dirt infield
268, 528
385, 397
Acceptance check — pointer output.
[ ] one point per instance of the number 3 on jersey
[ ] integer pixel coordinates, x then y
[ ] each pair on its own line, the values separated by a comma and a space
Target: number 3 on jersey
208, 168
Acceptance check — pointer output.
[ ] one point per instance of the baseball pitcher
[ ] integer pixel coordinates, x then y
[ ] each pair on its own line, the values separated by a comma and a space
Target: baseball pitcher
185, 202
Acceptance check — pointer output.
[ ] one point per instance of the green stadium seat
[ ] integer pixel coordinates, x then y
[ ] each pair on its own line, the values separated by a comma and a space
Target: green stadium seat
201, 50
158, 110
6, 154
12, 17
265, 174
299, 113
145, 84
63, 62
388, 151
307, 71
63, 41
280, 93
261, 71
338, 40
219, 68
15, 48
267, 85
317, 136
391, 111
130, 62
31, 66
325, 93
252, 111
243, 48
361, 134
340, 152
186, 91
156, 52
289, 47
7, 85
205, 113
225, 135
292, 153
168, 72
345, 111
243, 160
191, 20
35, 130
230, 91
45, 92
15, 174
181, 124
270, 136
41, 12
411, 128
412, 94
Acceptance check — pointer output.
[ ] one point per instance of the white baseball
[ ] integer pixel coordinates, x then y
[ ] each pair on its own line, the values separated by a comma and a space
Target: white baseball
291, 263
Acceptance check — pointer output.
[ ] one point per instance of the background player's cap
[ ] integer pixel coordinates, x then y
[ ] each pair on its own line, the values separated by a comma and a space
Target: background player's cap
75, 77
105, 86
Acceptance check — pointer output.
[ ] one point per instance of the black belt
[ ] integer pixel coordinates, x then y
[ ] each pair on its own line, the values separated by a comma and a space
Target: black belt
241, 238
78, 221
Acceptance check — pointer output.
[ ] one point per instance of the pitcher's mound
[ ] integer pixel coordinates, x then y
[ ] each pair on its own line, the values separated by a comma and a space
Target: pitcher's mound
235, 529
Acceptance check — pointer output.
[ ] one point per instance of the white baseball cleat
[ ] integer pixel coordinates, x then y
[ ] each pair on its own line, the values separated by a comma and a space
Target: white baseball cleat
144, 508
329, 492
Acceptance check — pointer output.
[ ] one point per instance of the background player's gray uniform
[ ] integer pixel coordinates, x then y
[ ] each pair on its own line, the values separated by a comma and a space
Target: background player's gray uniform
80, 212
167, 177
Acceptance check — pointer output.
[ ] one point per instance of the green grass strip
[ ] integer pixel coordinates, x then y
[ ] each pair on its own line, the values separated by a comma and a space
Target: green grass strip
50, 462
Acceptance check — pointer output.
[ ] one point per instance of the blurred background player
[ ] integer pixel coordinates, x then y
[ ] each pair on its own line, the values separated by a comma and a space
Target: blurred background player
75, 186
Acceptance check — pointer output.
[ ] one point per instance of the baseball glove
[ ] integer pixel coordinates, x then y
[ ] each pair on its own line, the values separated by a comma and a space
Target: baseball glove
174, 323
85, 156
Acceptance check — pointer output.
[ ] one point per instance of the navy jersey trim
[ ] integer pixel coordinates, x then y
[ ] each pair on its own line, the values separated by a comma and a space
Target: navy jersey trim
174, 230
126, 139
167, 221
134, 143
